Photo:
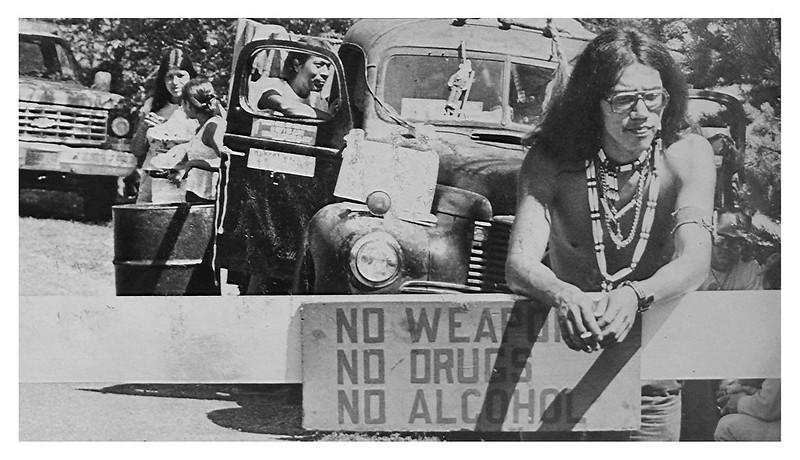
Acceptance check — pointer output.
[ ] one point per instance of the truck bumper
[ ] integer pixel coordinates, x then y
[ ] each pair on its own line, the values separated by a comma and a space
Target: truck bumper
40, 156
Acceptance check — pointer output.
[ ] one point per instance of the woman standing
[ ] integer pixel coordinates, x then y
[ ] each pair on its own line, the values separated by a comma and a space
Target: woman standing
163, 122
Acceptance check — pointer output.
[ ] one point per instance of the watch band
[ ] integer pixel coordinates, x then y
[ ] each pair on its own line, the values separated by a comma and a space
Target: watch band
644, 301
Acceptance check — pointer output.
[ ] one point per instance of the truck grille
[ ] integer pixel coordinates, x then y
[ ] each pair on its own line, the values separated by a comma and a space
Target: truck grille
488, 255
62, 124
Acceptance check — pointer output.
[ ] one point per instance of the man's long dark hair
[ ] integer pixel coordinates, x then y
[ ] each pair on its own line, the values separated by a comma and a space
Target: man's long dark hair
172, 59
572, 128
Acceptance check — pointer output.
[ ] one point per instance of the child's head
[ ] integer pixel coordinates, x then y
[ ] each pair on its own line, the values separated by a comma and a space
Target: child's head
199, 97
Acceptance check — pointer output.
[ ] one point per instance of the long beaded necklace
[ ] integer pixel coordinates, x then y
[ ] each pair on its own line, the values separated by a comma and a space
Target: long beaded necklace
609, 280
611, 215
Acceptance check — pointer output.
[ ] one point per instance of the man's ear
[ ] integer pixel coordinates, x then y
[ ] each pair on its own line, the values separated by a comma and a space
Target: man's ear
296, 65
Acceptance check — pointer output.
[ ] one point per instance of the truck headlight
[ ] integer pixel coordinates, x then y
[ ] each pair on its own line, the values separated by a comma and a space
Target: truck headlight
375, 259
120, 126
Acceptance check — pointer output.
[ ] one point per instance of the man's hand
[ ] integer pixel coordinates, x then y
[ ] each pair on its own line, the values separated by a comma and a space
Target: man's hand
728, 404
576, 317
734, 386
619, 314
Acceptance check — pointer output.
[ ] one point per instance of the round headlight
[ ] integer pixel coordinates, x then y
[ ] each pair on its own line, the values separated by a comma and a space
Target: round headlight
379, 202
120, 126
375, 259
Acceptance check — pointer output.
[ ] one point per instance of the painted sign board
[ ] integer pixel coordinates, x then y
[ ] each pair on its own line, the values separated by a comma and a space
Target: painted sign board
459, 364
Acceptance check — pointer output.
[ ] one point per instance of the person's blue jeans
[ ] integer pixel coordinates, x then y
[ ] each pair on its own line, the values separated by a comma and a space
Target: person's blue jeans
661, 419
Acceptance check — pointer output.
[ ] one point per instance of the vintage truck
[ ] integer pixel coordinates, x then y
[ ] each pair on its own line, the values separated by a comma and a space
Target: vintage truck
410, 185
390, 83
71, 137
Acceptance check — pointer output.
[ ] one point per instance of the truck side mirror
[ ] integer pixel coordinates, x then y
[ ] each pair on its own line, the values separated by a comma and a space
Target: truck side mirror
102, 81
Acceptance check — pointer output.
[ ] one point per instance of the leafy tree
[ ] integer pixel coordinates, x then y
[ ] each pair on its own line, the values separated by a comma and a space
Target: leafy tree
717, 52
130, 48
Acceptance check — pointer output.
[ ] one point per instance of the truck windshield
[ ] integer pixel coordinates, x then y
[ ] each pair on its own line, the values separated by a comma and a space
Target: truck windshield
418, 88
45, 58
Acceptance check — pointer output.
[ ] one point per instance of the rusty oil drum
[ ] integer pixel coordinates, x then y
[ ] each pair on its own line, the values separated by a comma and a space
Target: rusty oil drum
164, 249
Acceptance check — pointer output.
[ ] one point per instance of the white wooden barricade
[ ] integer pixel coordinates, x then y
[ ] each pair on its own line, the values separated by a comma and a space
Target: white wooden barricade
257, 339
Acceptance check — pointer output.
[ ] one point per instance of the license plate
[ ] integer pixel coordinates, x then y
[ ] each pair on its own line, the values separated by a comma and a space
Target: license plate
42, 160
289, 163
284, 131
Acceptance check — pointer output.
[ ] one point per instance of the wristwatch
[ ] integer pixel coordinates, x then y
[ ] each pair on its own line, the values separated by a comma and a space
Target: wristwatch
644, 300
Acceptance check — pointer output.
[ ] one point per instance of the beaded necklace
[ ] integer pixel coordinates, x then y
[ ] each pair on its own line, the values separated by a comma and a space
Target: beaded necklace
611, 215
610, 169
609, 280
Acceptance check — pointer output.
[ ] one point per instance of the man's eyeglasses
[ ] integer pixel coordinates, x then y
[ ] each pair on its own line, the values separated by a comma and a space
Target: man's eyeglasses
623, 102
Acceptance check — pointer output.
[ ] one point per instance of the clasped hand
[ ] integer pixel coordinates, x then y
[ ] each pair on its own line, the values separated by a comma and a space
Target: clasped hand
587, 324
729, 394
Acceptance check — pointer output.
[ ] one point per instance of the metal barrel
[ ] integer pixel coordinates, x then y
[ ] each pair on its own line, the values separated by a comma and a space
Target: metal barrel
164, 249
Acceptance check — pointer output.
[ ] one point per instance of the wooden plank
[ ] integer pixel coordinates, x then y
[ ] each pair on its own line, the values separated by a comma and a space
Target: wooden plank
711, 335
433, 364
159, 339
257, 339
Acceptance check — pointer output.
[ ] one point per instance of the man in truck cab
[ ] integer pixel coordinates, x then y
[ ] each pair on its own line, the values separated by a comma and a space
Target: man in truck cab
622, 200
291, 94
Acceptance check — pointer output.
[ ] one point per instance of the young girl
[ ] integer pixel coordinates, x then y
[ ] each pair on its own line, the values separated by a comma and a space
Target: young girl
200, 171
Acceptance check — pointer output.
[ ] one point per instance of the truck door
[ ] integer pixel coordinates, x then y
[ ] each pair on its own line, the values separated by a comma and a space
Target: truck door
720, 118
283, 159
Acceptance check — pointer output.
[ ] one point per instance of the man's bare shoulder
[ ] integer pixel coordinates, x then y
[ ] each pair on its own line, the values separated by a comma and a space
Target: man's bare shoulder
691, 155
537, 176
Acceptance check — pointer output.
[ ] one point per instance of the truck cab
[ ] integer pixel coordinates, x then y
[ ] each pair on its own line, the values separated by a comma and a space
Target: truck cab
71, 137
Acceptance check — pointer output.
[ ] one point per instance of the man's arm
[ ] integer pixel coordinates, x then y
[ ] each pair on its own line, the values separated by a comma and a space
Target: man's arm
692, 161
272, 99
525, 272
765, 404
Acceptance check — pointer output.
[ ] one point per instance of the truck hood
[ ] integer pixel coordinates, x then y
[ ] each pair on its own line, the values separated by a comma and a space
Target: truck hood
488, 168
65, 93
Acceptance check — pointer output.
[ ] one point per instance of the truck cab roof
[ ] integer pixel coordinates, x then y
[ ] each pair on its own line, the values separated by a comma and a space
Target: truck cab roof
375, 36
40, 28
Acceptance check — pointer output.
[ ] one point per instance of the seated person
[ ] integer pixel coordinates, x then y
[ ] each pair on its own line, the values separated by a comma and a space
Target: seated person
729, 270
750, 415
303, 77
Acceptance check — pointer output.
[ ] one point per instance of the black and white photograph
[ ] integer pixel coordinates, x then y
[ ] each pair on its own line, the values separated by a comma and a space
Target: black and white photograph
427, 229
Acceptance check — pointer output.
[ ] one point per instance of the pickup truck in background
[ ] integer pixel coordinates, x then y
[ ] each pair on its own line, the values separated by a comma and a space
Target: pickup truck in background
71, 137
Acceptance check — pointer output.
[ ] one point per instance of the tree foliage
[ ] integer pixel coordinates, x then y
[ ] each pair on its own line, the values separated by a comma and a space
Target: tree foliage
130, 48
740, 53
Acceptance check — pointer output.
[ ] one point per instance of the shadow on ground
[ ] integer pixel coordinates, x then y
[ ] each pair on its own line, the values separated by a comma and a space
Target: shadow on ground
264, 409
277, 410
64, 205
